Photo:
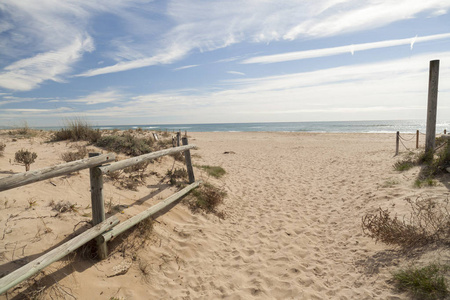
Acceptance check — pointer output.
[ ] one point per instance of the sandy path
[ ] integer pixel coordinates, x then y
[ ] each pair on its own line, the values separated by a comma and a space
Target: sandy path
294, 214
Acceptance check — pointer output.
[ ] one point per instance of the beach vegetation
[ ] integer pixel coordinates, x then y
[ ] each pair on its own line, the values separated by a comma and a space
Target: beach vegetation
24, 131
2, 149
178, 156
77, 130
418, 183
214, 171
31, 203
131, 177
25, 157
126, 143
176, 174
423, 283
404, 165
427, 223
72, 156
390, 183
63, 206
207, 197
144, 269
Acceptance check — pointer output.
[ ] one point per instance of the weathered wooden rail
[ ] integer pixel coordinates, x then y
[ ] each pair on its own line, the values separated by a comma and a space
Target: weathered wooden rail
103, 230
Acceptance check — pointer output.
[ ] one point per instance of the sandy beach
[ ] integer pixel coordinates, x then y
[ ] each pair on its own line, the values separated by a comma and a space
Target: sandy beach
292, 226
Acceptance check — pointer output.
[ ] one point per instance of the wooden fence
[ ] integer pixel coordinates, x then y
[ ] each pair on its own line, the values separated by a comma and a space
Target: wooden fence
103, 230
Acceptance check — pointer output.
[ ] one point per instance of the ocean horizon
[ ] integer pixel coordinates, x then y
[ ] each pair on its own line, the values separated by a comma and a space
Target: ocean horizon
376, 126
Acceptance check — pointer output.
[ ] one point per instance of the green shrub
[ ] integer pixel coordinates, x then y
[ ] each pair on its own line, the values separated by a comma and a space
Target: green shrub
404, 165
424, 182
423, 283
207, 197
126, 144
26, 158
214, 171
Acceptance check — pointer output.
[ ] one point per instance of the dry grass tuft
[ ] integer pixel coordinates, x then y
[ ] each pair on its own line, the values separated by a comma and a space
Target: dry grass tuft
64, 206
77, 130
207, 198
176, 174
429, 222
426, 283
81, 153
2, 149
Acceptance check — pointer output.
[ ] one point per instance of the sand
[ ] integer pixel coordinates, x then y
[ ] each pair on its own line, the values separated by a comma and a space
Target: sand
292, 228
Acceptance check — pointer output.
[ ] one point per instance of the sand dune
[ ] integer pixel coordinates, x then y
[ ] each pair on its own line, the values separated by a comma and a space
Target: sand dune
292, 228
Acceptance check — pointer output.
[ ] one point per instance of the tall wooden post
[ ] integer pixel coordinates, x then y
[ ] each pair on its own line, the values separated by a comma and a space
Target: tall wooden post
432, 106
417, 139
178, 138
397, 142
187, 156
98, 205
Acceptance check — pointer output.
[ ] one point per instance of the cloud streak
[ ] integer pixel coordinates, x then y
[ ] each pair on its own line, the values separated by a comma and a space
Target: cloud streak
298, 55
29, 73
210, 25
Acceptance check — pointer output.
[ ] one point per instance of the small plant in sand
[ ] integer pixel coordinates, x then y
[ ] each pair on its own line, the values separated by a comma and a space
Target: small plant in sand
428, 223
2, 148
31, 203
390, 183
424, 182
423, 283
214, 171
176, 174
404, 165
72, 156
144, 269
26, 158
134, 238
207, 197
63, 206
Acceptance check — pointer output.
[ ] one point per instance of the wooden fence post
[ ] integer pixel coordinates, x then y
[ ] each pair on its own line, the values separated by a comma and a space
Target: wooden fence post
98, 205
397, 142
445, 131
187, 156
417, 139
432, 106
178, 138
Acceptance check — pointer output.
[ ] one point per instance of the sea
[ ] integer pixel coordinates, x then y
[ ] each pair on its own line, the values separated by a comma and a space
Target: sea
385, 126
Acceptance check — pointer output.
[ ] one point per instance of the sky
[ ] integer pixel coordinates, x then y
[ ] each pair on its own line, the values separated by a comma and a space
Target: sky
137, 62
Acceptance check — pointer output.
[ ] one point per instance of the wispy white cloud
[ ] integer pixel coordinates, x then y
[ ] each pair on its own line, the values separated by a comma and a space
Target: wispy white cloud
236, 73
28, 73
185, 67
342, 50
398, 88
98, 98
41, 40
210, 25
393, 89
352, 16
163, 58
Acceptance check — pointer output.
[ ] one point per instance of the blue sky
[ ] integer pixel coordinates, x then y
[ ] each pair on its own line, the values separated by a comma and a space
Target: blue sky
123, 62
